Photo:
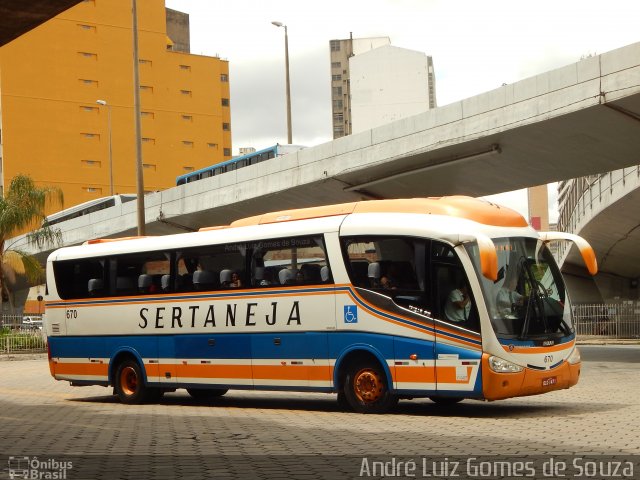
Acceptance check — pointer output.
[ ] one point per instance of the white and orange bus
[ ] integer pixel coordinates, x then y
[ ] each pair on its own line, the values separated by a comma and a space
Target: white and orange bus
446, 298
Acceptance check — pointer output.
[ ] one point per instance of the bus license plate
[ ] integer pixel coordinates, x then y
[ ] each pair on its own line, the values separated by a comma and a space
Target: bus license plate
549, 381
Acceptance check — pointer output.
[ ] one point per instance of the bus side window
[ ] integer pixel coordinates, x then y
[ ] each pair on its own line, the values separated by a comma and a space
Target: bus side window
300, 262
80, 278
453, 301
391, 266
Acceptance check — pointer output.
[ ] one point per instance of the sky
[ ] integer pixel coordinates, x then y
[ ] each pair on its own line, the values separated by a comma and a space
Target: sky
475, 46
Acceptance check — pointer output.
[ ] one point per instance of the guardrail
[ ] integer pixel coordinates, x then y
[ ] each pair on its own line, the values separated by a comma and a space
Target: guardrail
607, 320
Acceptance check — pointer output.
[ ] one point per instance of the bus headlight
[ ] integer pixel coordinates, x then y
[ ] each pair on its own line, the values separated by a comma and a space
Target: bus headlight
574, 357
500, 365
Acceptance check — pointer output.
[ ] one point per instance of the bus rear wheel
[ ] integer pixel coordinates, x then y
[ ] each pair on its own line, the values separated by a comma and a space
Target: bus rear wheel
129, 383
206, 393
366, 389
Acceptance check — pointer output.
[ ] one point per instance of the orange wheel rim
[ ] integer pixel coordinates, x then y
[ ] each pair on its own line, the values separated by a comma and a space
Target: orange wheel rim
368, 386
129, 380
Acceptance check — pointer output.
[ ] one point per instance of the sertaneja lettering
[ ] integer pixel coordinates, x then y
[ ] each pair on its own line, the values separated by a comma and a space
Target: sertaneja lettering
205, 317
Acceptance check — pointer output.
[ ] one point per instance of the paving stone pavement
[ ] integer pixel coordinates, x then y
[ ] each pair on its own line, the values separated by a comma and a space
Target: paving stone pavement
294, 435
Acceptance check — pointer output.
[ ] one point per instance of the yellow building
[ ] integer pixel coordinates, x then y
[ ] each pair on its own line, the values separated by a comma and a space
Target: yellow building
53, 129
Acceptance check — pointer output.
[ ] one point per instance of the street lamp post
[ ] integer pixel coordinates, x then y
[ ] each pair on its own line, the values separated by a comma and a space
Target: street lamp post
288, 87
105, 104
138, 128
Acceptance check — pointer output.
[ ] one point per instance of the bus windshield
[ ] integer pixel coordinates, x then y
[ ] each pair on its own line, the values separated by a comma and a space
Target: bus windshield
528, 300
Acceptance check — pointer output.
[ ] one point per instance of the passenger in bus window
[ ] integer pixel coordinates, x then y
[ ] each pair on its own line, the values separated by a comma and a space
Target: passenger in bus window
235, 280
300, 278
389, 281
458, 305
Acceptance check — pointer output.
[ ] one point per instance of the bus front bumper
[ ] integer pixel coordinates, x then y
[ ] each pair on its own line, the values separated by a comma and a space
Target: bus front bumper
496, 386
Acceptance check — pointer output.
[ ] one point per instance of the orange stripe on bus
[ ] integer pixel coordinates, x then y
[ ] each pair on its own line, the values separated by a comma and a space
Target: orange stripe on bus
418, 374
291, 372
448, 375
82, 369
214, 371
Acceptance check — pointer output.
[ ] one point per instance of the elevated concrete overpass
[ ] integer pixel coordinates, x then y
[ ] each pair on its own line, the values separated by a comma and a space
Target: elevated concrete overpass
577, 120
606, 214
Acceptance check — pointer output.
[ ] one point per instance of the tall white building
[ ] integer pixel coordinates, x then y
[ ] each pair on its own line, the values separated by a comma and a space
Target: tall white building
388, 83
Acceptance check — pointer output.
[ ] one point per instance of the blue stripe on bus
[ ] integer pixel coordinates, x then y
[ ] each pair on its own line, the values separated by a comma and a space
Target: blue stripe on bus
467, 354
318, 345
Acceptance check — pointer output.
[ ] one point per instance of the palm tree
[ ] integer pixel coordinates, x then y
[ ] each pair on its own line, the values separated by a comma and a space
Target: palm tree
23, 207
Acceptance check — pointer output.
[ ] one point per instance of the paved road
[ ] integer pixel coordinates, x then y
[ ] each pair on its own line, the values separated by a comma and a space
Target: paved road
610, 353
284, 435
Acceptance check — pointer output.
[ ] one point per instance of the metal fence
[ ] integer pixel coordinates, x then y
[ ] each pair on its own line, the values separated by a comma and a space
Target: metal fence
21, 334
608, 320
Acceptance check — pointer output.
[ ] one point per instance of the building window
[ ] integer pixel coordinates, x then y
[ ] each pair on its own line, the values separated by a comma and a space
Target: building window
95, 136
89, 28
338, 117
149, 140
212, 145
337, 104
144, 61
224, 77
187, 143
147, 115
336, 78
149, 166
336, 90
88, 82
335, 45
187, 118
186, 68
146, 88
188, 169
226, 127
92, 189
225, 102
186, 93
88, 108
90, 163
89, 55
336, 64
227, 152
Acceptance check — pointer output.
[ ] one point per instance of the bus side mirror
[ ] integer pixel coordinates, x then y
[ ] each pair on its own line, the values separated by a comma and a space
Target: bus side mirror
486, 250
587, 253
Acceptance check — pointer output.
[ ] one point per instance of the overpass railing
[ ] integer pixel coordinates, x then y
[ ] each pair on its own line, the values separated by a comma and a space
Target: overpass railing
602, 191
607, 320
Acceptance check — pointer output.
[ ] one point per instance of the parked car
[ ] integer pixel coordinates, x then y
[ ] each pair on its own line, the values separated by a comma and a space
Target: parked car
32, 322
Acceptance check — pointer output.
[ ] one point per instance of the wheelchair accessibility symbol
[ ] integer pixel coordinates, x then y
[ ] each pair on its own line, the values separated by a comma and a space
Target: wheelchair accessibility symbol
350, 314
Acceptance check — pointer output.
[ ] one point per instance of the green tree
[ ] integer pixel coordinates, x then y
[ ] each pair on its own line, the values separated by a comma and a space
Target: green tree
21, 208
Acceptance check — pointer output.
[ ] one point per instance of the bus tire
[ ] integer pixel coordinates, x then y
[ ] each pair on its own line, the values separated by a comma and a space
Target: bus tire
129, 383
444, 401
206, 393
366, 389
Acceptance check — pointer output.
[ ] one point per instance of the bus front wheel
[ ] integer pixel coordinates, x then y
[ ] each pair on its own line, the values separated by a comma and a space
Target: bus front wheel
129, 383
366, 389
